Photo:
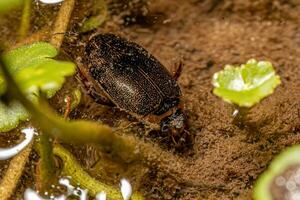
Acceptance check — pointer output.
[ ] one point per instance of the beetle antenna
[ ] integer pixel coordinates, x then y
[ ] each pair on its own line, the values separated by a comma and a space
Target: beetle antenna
68, 33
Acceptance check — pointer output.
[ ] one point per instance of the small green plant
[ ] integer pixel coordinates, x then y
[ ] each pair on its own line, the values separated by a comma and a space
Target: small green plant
119, 147
36, 71
282, 178
79, 176
246, 85
99, 16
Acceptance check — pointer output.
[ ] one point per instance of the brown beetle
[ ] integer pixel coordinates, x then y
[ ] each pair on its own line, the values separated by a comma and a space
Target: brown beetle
123, 74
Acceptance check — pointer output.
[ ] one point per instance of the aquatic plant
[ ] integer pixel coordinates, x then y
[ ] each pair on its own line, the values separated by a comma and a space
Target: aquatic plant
282, 178
71, 166
82, 194
36, 71
246, 85
86, 132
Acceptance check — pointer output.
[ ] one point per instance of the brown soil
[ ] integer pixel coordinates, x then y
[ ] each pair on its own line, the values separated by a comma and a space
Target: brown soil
206, 35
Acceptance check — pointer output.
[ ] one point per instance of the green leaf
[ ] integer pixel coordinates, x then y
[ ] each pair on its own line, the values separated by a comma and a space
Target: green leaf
246, 85
289, 159
34, 69
29, 55
6, 5
11, 115
47, 77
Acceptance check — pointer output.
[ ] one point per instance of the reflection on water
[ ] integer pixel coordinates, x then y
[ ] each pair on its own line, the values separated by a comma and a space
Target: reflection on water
7, 153
125, 187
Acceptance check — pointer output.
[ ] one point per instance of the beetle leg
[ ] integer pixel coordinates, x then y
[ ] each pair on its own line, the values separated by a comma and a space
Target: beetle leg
177, 69
127, 126
99, 98
176, 144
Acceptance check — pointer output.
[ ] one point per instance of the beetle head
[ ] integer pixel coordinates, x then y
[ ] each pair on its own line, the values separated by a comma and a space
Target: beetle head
174, 123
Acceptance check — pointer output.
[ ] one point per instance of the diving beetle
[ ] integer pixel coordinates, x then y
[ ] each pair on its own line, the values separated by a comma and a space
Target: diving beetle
121, 73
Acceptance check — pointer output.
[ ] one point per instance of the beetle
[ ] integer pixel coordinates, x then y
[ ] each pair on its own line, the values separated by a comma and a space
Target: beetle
121, 73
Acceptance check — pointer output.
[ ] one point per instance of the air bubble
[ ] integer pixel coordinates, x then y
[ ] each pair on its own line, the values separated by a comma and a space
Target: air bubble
280, 181
290, 185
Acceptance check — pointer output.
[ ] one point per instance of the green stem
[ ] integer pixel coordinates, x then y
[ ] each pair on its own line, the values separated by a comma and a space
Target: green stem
25, 21
46, 164
72, 168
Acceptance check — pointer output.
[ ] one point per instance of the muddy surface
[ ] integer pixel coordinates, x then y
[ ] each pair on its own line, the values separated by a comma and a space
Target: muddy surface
205, 35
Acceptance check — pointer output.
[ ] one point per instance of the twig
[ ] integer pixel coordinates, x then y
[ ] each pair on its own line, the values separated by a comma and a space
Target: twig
25, 21
61, 23
14, 172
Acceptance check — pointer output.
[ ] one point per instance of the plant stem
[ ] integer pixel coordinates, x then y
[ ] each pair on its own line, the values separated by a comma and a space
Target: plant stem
61, 23
46, 165
239, 116
25, 21
14, 172
72, 168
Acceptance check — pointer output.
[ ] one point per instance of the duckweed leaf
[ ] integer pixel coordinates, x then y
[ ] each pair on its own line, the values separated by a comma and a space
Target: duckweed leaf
246, 85
282, 177
35, 71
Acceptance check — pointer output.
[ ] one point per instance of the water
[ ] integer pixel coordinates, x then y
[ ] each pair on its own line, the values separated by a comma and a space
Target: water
7, 153
82, 194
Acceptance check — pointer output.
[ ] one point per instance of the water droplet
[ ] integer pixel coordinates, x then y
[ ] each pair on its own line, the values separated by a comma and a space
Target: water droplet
101, 196
280, 181
126, 189
290, 185
235, 112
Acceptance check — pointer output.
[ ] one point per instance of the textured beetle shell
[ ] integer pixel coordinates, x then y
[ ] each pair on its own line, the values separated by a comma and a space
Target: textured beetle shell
132, 78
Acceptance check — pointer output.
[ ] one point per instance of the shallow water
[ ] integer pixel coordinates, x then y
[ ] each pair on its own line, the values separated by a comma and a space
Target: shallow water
223, 160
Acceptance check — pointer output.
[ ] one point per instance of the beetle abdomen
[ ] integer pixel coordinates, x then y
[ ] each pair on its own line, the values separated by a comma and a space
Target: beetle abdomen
132, 78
